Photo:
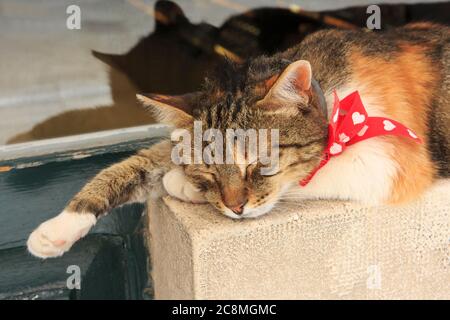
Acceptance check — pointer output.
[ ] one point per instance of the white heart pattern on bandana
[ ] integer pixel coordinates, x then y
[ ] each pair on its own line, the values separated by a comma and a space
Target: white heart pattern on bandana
350, 117
343, 137
412, 134
358, 118
335, 148
388, 126
335, 117
363, 131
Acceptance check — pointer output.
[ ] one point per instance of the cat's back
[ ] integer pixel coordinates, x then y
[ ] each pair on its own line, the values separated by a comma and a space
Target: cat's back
333, 53
402, 74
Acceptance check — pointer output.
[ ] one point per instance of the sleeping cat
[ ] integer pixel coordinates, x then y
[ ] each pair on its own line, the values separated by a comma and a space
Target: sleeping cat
402, 74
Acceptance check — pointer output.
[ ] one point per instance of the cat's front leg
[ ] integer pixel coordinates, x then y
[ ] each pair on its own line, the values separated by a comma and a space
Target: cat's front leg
129, 181
177, 185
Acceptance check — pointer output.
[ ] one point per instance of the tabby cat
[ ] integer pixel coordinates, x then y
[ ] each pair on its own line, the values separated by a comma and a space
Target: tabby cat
402, 74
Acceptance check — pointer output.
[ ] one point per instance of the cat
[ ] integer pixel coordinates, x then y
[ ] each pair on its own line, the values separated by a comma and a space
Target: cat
402, 74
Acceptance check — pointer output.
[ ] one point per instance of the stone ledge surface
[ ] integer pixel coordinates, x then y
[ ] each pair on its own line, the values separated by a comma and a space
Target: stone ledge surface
314, 249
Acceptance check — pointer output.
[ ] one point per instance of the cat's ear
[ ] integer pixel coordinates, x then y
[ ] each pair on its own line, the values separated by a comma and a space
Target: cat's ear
168, 13
175, 110
292, 85
112, 60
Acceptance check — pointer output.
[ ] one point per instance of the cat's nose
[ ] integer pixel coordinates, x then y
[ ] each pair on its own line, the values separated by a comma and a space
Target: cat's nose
238, 209
235, 198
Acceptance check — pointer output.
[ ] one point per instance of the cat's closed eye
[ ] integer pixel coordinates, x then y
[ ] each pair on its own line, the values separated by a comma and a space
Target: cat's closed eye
254, 170
202, 186
203, 180
269, 175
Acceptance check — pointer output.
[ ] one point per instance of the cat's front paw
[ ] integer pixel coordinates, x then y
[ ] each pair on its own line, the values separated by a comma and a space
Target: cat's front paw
177, 185
55, 236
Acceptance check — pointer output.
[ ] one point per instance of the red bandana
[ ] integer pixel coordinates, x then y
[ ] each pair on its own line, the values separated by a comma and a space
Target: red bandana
350, 124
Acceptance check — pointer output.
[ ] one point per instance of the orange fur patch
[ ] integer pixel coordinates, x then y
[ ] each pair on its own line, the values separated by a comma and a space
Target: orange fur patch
421, 25
404, 86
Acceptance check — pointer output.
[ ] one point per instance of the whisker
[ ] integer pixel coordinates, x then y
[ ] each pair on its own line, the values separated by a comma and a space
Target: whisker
290, 195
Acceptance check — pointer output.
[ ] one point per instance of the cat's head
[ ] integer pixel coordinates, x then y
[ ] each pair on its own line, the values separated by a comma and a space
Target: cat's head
265, 94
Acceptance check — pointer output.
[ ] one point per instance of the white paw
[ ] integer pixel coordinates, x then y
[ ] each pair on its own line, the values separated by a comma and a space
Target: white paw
178, 186
55, 236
